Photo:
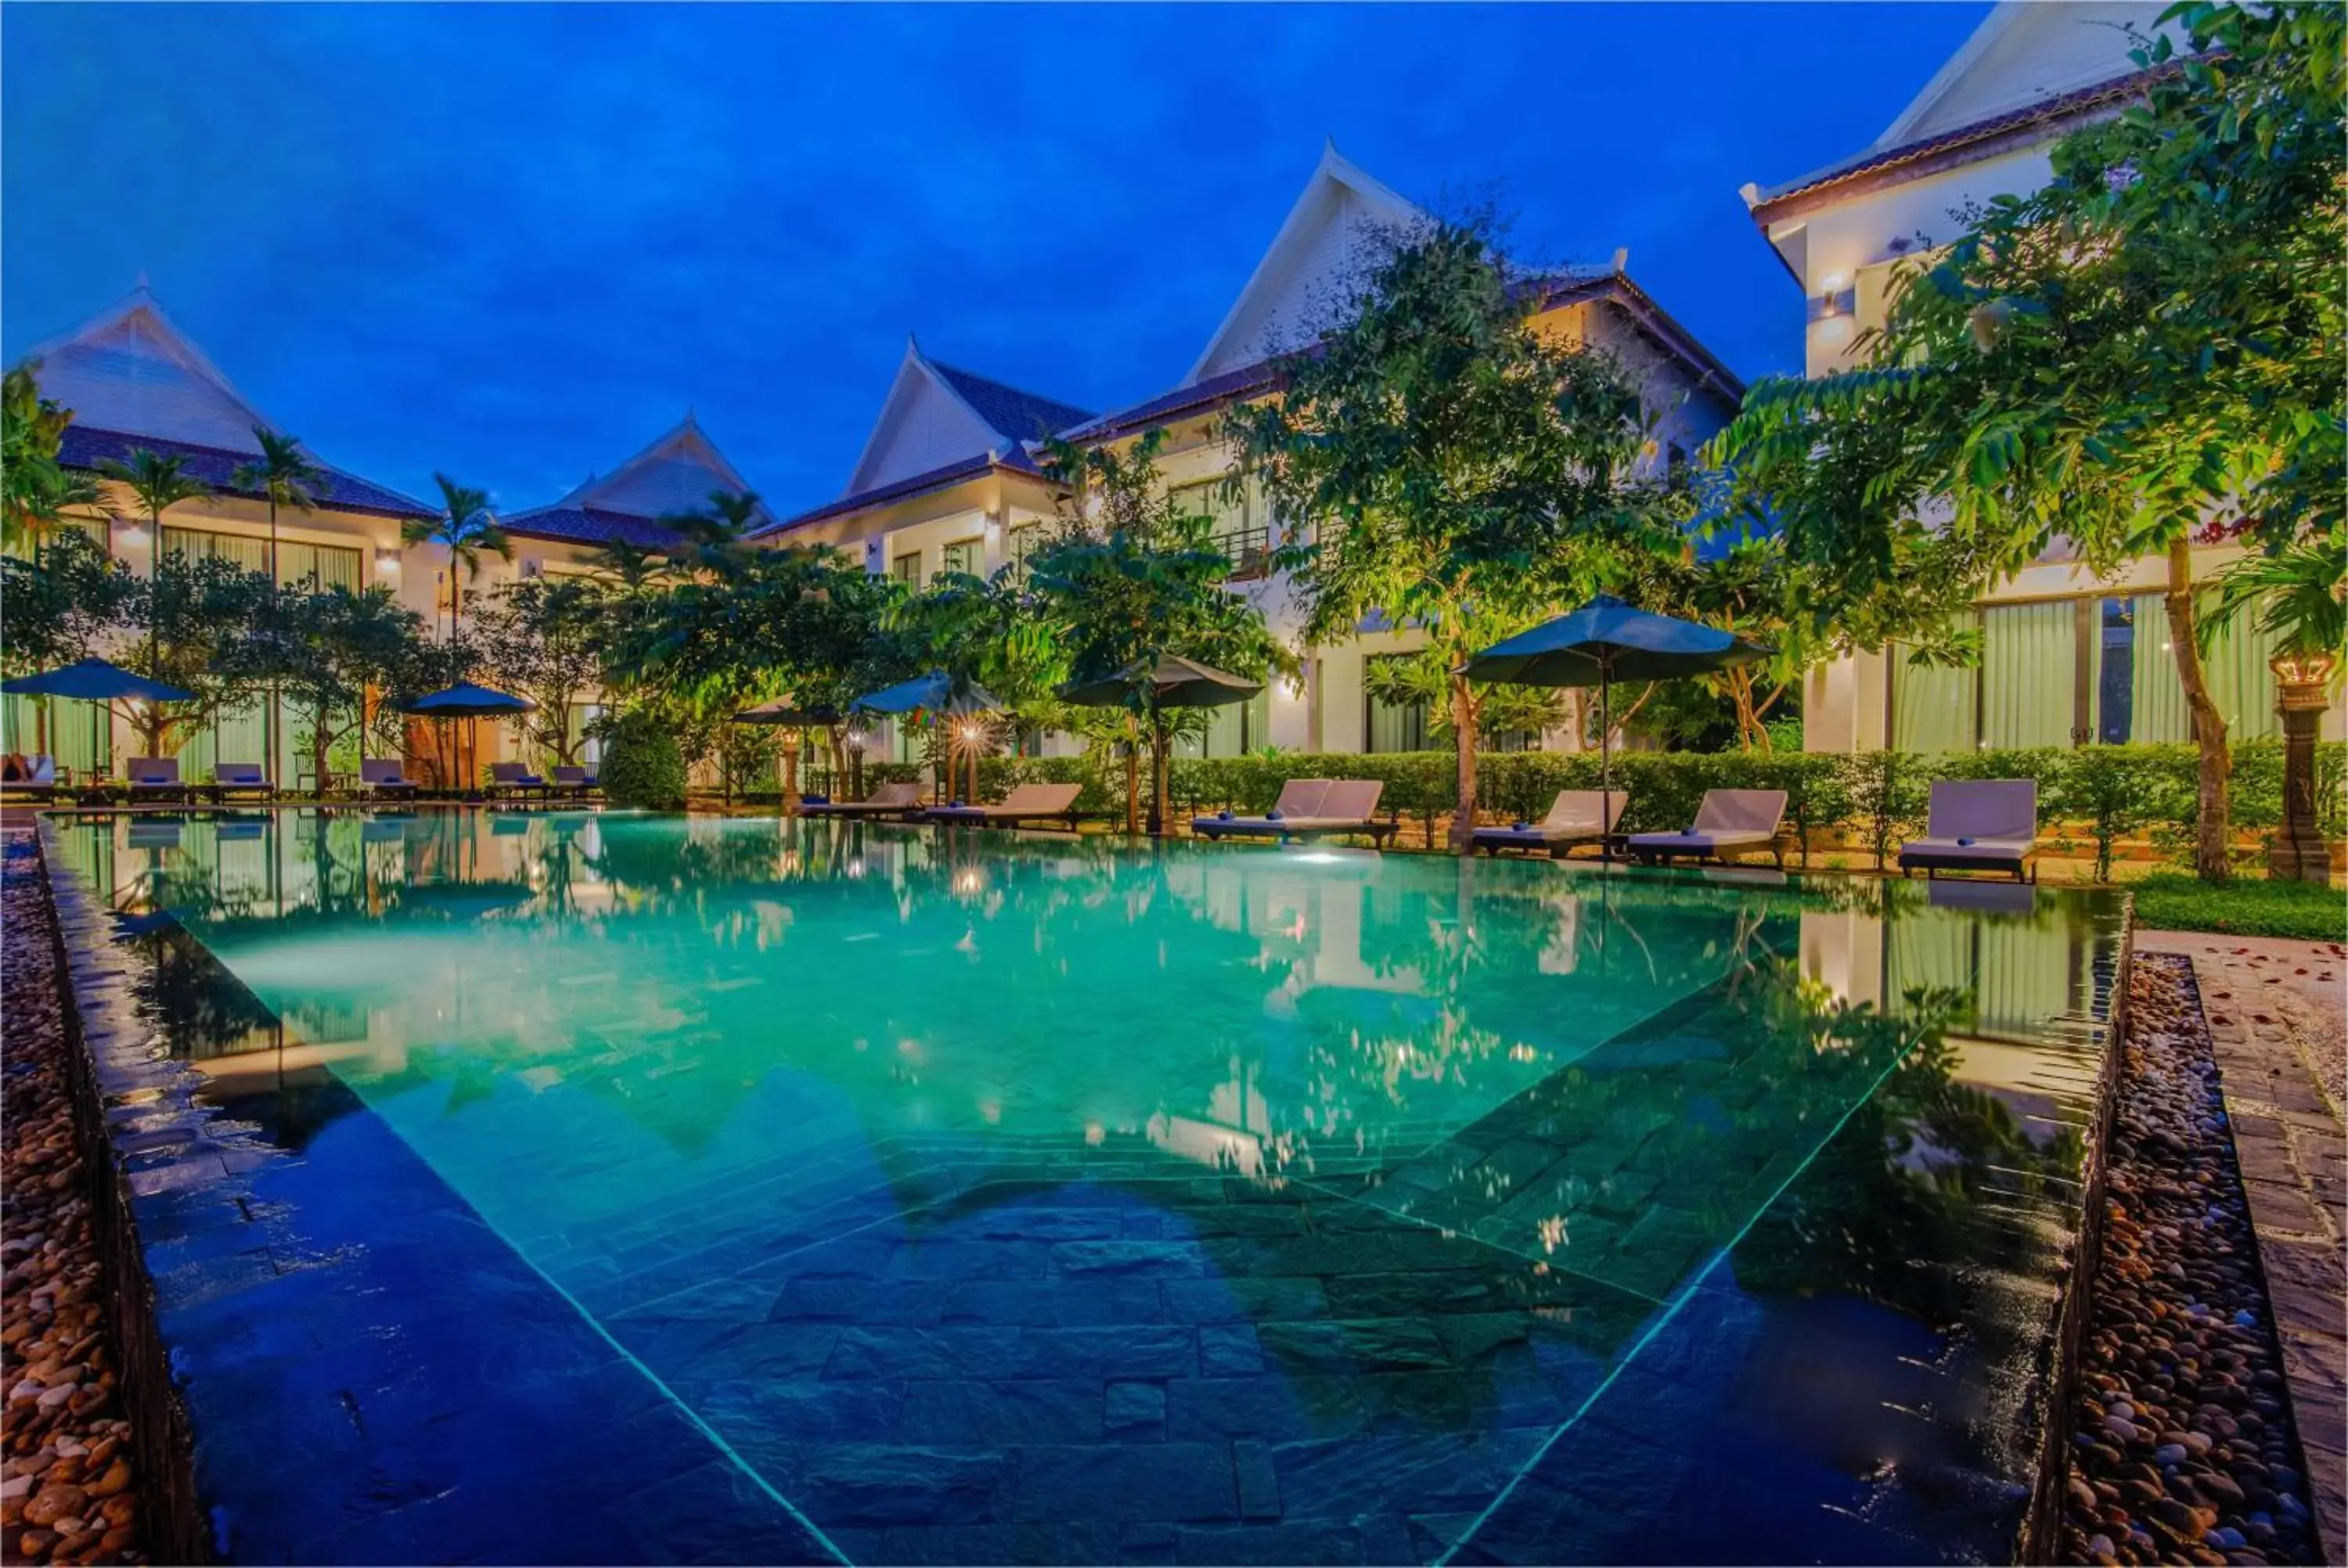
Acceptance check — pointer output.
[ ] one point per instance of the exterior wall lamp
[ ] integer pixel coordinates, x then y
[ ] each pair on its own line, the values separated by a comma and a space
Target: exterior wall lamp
1835, 300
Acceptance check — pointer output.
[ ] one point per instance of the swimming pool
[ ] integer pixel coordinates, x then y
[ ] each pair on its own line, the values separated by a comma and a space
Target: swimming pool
993, 1198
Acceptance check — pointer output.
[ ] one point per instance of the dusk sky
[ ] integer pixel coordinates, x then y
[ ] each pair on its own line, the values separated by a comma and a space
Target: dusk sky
516, 243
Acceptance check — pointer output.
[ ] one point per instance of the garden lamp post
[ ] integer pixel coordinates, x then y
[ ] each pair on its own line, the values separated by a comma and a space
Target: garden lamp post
2302, 682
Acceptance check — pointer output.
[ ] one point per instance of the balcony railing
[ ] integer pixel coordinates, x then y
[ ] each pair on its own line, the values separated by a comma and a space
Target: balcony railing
1249, 549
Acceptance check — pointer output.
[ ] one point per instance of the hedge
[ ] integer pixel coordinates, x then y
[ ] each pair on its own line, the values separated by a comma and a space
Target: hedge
1872, 800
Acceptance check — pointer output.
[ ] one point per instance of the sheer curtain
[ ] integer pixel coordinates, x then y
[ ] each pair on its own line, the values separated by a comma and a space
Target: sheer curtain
2030, 662
1932, 706
2235, 666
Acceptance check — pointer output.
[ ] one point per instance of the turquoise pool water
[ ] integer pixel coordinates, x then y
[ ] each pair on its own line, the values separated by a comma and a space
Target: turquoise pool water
1023, 1197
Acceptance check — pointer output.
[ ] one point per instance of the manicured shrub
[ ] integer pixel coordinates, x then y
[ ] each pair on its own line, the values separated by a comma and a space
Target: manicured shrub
642, 766
2171, 901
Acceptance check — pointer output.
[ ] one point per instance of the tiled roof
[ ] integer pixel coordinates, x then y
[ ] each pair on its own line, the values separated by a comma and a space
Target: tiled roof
2062, 106
1248, 380
1009, 411
591, 526
83, 447
1015, 461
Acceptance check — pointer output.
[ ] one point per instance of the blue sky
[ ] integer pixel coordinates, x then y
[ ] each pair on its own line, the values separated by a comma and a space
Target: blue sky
516, 243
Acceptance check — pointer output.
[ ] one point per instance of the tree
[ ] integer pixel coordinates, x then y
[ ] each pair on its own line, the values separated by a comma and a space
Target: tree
1132, 575
285, 474
2141, 350
544, 638
62, 603
36, 490
157, 484
467, 527
196, 621
711, 537
336, 652
1440, 463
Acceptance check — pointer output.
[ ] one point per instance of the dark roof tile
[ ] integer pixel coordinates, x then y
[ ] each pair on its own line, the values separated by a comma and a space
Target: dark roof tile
83, 448
1009, 411
591, 526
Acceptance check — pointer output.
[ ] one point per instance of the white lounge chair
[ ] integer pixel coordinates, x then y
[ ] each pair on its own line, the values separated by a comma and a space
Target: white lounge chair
1025, 802
241, 778
154, 778
384, 777
1978, 825
1729, 822
1576, 816
886, 800
1306, 808
515, 779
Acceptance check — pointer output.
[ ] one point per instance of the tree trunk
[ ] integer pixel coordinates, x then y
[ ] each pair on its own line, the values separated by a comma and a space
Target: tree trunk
1157, 775
1132, 774
791, 776
318, 747
1463, 732
2213, 828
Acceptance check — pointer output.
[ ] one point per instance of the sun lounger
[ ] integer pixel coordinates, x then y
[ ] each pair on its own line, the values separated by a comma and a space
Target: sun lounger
382, 776
154, 778
577, 782
886, 800
1978, 825
1307, 808
515, 779
1025, 802
241, 778
1576, 816
34, 775
1729, 822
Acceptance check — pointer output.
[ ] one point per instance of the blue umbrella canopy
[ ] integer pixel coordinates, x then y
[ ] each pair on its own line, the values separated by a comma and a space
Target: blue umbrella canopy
467, 701
935, 691
1607, 641
1179, 682
95, 680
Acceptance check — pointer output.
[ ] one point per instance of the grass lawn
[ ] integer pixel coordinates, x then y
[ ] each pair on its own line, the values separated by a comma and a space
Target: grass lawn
2171, 901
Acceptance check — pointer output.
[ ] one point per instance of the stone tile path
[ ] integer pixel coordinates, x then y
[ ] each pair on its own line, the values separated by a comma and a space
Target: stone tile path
2276, 1012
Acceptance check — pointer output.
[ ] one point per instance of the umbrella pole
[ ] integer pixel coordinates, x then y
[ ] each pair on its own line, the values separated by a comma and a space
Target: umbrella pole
1606, 761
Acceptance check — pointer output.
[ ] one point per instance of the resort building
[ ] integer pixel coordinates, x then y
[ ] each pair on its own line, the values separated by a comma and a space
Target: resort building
2069, 657
948, 481
134, 380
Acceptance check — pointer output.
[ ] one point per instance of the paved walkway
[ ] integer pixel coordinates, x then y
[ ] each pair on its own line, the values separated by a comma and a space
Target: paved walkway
2276, 1012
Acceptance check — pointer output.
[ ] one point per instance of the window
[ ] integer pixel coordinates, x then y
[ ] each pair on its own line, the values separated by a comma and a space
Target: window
1241, 534
907, 568
1021, 542
1392, 726
1233, 730
963, 556
334, 566
2029, 681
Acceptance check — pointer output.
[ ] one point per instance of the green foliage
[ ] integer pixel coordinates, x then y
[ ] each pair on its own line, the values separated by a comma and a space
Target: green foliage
746, 756
2301, 910
2140, 353
466, 526
1103, 789
2100, 789
196, 624
283, 474
36, 491
542, 638
642, 766
1439, 463
61, 602
2296, 592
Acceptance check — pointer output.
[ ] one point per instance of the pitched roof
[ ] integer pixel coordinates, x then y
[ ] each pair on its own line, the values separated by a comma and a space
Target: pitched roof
134, 379
1246, 380
1010, 413
677, 472
1012, 460
83, 448
591, 525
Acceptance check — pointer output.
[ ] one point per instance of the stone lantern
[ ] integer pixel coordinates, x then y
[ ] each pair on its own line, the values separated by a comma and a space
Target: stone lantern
2302, 683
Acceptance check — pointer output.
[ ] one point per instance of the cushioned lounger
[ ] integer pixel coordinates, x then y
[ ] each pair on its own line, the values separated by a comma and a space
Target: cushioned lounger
1576, 816
513, 778
886, 800
1308, 807
576, 782
1729, 822
1978, 825
154, 778
1298, 798
241, 778
1025, 802
382, 776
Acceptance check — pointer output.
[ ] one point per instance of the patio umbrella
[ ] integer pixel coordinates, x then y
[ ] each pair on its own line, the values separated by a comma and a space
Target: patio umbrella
935, 692
1174, 683
467, 701
781, 714
1604, 641
95, 680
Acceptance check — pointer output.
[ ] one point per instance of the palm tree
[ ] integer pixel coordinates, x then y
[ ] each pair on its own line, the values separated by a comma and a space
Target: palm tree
157, 484
635, 568
468, 526
713, 533
284, 474
2297, 593
35, 489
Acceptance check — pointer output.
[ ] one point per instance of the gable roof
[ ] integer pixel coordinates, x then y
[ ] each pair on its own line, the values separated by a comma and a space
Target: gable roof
2027, 71
1013, 460
677, 472
1287, 298
133, 379
937, 414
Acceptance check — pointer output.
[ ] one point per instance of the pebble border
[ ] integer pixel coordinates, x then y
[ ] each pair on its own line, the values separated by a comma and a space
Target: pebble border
68, 1484
2182, 1447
